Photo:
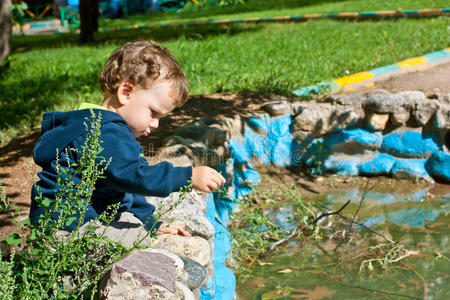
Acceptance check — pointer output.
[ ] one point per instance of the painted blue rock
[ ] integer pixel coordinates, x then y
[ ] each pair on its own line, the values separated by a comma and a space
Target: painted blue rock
380, 165
410, 144
238, 149
410, 168
438, 165
353, 141
342, 165
260, 125
279, 127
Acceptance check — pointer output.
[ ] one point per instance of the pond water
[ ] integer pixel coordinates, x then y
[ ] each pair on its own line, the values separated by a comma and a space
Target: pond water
416, 217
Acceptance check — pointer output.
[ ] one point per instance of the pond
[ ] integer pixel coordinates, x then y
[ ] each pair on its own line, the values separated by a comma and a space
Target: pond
414, 214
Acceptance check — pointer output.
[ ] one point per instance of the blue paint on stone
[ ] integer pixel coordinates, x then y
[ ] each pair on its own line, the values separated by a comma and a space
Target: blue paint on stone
384, 70
341, 166
412, 168
270, 140
411, 144
258, 123
362, 137
380, 165
438, 165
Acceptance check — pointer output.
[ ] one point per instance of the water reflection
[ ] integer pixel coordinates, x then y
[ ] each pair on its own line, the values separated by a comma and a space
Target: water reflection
418, 220
416, 208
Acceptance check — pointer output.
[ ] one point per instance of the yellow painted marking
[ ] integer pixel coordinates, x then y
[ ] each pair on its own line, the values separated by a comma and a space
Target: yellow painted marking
134, 26
281, 18
223, 21
251, 19
411, 62
430, 11
448, 49
348, 14
312, 16
370, 84
386, 13
357, 77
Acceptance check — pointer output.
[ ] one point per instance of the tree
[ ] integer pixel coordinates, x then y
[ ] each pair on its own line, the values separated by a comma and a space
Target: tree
5, 29
88, 20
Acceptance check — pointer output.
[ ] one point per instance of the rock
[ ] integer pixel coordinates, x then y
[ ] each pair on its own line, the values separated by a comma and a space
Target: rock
410, 144
342, 164
195, 248
410, 169
208, 135
383, 103
126, 230
441, 97
180, 268
192, 202
439, 165
321, 118
379, 165
399, 118
377, 121
140, 275
424, 110
352, 141
352, 99
196, 273
412, 97
277, 108
186, 293
442, 116
297, 107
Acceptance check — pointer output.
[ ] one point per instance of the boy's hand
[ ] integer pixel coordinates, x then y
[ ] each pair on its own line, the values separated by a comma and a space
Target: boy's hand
206, 179
175, 229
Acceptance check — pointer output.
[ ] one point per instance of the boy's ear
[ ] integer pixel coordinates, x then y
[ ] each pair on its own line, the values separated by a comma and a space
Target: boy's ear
124, 92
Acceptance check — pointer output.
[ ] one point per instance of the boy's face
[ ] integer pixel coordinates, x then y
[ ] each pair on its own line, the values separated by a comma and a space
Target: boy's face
142, 108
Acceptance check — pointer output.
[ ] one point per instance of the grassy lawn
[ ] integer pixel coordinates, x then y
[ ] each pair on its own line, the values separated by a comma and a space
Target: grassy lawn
273, 8
54, 72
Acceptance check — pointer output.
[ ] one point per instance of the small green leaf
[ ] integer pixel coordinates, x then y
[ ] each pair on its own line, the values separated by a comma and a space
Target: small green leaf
45, 202
26, 222
13, 239
70, 220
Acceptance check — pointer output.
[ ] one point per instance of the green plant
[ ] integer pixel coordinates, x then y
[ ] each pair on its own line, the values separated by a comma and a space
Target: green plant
254, 232
43, 263
18, 11
383, 256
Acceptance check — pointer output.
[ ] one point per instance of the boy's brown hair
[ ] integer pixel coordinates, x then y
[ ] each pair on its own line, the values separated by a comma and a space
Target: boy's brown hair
142, 63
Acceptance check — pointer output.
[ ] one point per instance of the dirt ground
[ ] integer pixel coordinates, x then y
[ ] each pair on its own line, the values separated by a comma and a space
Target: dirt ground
17, 167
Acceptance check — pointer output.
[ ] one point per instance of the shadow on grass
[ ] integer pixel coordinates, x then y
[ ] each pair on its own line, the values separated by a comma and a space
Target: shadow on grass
24, 101
27, 43
193, 13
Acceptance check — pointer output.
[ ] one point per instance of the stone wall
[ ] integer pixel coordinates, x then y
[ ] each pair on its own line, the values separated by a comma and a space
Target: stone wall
403, 135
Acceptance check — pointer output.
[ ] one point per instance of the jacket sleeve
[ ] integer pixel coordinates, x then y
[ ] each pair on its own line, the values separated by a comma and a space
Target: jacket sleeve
130, 172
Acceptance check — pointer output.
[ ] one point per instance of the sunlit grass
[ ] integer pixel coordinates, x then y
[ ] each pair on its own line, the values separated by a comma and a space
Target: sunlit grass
54, 72
272, 8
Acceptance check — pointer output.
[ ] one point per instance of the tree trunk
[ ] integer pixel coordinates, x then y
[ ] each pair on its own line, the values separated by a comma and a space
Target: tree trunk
88, 19
5, 29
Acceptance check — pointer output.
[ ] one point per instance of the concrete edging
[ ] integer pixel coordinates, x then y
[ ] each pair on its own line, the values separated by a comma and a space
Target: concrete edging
377, 74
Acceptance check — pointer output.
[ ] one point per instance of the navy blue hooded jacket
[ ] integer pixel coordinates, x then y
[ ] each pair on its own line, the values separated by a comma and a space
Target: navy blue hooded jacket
128, 177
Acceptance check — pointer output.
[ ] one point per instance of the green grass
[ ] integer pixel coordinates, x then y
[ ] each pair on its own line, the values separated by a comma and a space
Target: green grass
54, 72
273, 8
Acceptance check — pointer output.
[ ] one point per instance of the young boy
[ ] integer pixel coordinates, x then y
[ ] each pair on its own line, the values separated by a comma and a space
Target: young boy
141, 82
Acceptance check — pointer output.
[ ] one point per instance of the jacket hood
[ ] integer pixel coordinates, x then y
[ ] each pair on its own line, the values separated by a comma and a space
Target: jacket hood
59, 129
